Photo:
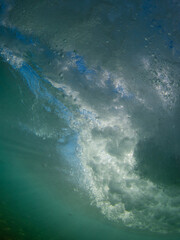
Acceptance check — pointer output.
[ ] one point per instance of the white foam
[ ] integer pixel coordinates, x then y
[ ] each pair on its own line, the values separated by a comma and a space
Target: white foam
11, 58
111, 180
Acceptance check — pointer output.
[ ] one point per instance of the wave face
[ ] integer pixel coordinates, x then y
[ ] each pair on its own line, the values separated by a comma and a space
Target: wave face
105, 80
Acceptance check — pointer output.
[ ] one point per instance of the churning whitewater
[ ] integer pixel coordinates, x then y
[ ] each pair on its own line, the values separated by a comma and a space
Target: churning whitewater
115, 90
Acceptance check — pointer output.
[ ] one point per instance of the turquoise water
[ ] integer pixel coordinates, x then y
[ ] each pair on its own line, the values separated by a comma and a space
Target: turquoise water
89, 120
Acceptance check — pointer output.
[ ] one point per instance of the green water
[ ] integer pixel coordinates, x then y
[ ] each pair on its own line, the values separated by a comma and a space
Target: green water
89, 119
37, 201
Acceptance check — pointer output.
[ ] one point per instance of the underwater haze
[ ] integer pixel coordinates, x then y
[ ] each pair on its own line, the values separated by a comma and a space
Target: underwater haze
89, 119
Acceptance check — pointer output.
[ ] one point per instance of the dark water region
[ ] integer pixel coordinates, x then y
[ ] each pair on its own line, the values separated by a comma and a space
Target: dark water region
89, 119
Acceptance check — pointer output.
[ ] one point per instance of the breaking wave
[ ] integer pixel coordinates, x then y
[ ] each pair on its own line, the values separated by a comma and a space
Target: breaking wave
108, 71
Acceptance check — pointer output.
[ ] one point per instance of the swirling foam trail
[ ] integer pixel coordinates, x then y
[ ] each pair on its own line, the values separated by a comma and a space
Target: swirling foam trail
122, 132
